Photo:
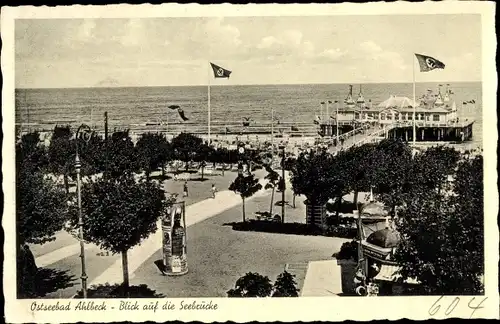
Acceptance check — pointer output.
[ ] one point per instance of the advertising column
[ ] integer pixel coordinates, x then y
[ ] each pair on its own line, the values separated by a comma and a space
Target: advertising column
174, 241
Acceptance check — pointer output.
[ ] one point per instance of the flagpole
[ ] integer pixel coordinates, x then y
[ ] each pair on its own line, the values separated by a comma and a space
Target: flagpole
208, 106
320, 112
337, 119
327, 117
272, 131
414, 106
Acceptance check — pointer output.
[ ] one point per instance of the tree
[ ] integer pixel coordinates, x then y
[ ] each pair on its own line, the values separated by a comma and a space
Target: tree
40, 207
245, 186
120, 213
360, 167
273, 179
152, 152
319, 176
61, 153
285, 286
122, 157
91, 154
186, 146
431, 168
30, 154
392, 163
443, 236
251, 285
41, 211
205, 153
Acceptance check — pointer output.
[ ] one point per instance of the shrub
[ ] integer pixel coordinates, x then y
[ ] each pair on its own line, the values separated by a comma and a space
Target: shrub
256, 285
119, 291
251, 285
293, 228
285, 286
348, 251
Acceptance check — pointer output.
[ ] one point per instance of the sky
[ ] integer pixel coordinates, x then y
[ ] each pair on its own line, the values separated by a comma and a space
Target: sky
66, 53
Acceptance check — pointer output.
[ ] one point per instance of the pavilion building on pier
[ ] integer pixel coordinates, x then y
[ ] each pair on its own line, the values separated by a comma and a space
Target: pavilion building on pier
436, 117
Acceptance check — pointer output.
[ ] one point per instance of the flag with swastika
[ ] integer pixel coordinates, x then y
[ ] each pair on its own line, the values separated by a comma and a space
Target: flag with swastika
220, 72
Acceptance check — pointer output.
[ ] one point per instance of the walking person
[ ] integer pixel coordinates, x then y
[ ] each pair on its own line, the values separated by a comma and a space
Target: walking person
214, 190
186, 189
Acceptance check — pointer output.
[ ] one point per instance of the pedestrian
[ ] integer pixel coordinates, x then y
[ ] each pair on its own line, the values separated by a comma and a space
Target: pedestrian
214, 190
186, 189
175, 177
341, 141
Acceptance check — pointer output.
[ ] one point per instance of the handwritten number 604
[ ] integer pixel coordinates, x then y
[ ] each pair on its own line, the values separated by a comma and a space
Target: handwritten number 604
451, 307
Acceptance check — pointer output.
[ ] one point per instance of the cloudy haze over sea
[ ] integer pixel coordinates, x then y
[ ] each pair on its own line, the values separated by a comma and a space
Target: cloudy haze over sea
67, 53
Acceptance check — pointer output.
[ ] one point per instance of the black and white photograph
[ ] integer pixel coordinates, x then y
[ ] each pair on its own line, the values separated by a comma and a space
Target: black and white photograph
194, 159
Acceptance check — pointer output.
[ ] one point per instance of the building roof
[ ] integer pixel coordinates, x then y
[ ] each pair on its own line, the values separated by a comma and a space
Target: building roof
398, 102
374, 209
385, 238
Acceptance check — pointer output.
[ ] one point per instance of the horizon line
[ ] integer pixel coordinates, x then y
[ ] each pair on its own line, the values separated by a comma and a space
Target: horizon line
247, 84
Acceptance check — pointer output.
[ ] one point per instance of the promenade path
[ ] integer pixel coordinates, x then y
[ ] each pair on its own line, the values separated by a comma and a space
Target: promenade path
195, 213
365, 136
217, 254
63, 253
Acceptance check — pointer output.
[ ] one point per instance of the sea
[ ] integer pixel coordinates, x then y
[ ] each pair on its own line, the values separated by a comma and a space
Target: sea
232, 107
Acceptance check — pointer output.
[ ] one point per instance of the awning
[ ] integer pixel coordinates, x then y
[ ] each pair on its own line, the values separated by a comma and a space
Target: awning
391, 273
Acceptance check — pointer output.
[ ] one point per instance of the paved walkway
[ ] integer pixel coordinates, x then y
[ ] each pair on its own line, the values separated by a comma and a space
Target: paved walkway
323, 278
194, 213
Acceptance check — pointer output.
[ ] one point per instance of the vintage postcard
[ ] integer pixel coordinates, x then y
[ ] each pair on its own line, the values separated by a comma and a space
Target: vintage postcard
250, 162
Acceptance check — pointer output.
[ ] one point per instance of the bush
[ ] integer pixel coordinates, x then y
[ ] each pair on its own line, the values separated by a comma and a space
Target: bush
341, 231
348, 251
251, 285
275, 227
119, 291
266, 226
256, 285
285, 286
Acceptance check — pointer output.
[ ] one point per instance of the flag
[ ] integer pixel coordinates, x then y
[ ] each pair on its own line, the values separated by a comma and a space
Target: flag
220, 72
428, 63
472, 101
464, 103
246, 121
322, 103
329, 102
173, 107
294, 129
181, 114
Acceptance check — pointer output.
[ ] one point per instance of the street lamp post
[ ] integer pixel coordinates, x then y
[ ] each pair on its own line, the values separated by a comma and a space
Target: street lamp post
241, 151
78, 165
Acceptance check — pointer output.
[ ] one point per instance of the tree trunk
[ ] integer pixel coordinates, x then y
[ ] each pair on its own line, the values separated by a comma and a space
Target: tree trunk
163, 170
243, 208
272, 201
294, 200
125, 270
355, 200
202, 171
187, 165
66, 183
148, 174
339, 204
